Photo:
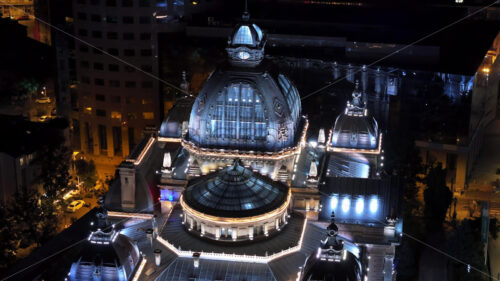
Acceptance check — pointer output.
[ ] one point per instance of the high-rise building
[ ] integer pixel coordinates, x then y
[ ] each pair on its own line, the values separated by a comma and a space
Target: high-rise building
115, 100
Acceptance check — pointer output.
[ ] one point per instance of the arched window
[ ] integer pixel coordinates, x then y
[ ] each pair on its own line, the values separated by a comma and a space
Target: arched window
239, 114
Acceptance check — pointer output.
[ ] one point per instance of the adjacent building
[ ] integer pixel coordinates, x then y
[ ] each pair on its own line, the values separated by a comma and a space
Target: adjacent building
116, 96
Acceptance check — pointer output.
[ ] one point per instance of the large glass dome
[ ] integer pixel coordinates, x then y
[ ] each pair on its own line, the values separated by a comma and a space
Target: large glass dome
235, 192
243, 107
245, 110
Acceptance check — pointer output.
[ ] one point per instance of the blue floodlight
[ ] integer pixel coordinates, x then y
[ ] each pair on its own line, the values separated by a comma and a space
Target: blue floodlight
346, 204
373, 205
360, 205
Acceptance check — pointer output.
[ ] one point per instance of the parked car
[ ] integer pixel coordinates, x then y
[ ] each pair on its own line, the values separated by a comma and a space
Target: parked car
75, 205
43, 100
24, 17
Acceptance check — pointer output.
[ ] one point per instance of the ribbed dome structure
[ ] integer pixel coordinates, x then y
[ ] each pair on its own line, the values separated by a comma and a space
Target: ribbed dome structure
331, 262
247, 34
355, 128
235, 192
243, 106
246, 110
107, 255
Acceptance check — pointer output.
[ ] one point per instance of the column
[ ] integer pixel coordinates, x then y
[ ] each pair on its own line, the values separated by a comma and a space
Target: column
284, 217
265, 229
217, 233
307, 205
250, 232
234, 233
202, 229
277, 223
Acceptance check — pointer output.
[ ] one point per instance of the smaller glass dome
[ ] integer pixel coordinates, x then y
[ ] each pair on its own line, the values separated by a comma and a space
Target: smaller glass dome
246, 34
235, 191
331, 261
354, 128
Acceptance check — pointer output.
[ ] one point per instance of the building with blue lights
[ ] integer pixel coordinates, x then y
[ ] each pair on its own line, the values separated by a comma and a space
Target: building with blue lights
233, 170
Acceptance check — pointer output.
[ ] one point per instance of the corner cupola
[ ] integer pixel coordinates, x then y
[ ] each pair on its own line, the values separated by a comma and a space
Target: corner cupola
246, 43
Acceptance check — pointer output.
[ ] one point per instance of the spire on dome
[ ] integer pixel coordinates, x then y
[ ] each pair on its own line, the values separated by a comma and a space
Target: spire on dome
357, 96
357, 106
184, 84
246, 14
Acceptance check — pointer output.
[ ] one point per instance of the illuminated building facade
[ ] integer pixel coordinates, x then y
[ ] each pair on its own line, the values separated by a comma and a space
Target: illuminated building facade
235, 165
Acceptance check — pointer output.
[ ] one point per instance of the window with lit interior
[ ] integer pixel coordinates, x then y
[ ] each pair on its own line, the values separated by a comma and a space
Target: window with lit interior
239, 114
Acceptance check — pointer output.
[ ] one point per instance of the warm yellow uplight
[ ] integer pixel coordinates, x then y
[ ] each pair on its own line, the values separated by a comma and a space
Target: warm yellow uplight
486, 70
225, 220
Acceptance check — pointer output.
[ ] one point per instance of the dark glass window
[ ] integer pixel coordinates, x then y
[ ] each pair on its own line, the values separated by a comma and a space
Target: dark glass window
82, 32
130, 84
117, 140
111, 3
114, 67
131, 100
147, 84
129, 52
128, 68
113, 51
146, 52
145, 36
81, 16
97, 51
131, 139
145, 20
112, 35
114, 83
115, 99
98, 66
95, 18
100, 97
84, 48
100, 112
128, 36
99, 82
128, 20
111, 19
97, 34
103, 140
84, 64
144, 3
147, 68
127, 3
85, 80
